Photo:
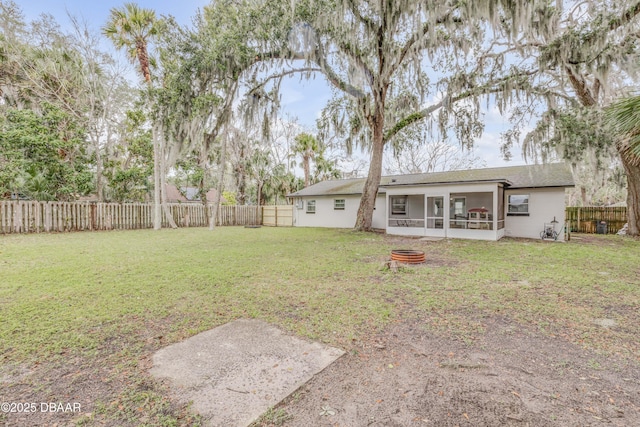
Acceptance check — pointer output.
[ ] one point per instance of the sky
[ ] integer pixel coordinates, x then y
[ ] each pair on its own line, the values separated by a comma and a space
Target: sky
300, 98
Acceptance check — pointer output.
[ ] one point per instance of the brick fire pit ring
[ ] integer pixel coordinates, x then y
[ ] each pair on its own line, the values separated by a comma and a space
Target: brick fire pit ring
407, 256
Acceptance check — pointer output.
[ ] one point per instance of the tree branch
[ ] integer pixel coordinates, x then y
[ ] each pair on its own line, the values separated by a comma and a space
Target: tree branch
353, 7
626, 17
580, 86
419, 35
283, 74
489, 88
321, 62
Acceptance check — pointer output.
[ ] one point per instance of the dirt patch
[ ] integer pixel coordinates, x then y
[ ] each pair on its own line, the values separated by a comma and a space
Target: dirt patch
406, 376
599, 240
510, 376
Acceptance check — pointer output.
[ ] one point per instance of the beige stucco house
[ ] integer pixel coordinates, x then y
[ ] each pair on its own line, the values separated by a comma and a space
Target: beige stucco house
485, 204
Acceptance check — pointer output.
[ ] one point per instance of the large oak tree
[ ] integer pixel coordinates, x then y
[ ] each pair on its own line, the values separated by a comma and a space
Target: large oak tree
397, 63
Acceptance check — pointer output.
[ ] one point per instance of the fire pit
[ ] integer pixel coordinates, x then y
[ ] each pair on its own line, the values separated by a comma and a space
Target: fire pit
407, 256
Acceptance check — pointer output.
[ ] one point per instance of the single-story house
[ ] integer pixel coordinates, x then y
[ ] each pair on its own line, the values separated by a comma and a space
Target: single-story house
485, 204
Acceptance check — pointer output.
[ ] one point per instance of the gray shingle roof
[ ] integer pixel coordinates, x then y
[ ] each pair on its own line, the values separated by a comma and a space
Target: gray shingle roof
528, 176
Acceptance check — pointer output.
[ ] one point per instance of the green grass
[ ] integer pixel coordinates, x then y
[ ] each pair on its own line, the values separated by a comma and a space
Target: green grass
97, 292
89, 293
112, 298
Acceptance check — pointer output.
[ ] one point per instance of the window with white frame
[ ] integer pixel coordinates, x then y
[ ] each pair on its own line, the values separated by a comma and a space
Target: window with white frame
338, 204
398, 205
311, 206
518, 205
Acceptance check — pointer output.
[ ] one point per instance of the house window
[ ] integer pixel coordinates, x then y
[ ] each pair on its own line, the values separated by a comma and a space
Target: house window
518, 205
299, 203
399, 205
338, 204
311, 206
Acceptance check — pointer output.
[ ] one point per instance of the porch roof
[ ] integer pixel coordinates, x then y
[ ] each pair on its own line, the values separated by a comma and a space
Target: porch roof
527, 176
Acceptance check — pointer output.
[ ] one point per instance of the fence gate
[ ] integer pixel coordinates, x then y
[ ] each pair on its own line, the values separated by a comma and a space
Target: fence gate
277, 216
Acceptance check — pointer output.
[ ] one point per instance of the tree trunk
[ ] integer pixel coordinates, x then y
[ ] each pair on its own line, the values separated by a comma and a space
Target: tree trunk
163, 186
157, 206
220, 189
241, 184
259, 195
203, 199
632, 170
306, 168
364, 220
99, 186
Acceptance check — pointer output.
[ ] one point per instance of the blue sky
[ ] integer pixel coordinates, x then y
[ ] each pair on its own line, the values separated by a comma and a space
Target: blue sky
301, 99
96, 12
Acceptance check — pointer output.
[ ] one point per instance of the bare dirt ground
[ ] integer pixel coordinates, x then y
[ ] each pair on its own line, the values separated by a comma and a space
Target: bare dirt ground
406, 376
510, 377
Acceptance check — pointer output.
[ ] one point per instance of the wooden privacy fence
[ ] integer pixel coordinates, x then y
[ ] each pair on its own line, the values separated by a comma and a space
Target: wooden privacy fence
277, 216
36, 217
239, 215
585, 219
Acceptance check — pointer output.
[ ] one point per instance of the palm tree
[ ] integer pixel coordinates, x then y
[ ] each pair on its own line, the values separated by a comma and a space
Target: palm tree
624, 116
132, 28
326, 169
307, 146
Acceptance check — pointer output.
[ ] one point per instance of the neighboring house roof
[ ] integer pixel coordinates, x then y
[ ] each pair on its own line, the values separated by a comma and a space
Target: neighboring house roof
528, 176
175, 196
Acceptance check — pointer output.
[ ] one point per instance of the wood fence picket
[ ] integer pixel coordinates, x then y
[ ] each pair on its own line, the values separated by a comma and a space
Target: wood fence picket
20, 216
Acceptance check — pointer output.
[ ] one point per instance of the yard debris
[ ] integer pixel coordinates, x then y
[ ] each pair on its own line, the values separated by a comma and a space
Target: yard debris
605, 323
327, 411
623, 230
392, 265
461, 365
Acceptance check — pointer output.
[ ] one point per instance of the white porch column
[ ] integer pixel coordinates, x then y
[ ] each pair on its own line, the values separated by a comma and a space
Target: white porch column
495, 209
426, 210
447, 212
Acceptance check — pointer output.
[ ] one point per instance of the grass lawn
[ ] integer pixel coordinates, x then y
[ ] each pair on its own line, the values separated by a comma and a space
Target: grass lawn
108, 300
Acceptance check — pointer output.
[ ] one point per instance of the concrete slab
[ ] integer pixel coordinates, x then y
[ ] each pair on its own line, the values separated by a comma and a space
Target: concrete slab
235, 372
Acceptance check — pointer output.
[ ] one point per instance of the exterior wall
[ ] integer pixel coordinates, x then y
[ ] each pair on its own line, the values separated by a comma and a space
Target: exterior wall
379, 214
327, 216
544, 204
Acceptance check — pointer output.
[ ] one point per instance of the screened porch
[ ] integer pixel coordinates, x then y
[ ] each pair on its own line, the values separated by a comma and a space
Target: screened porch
466, 214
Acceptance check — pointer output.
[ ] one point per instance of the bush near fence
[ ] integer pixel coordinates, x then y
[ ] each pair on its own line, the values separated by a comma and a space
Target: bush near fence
36, 217
585, 219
